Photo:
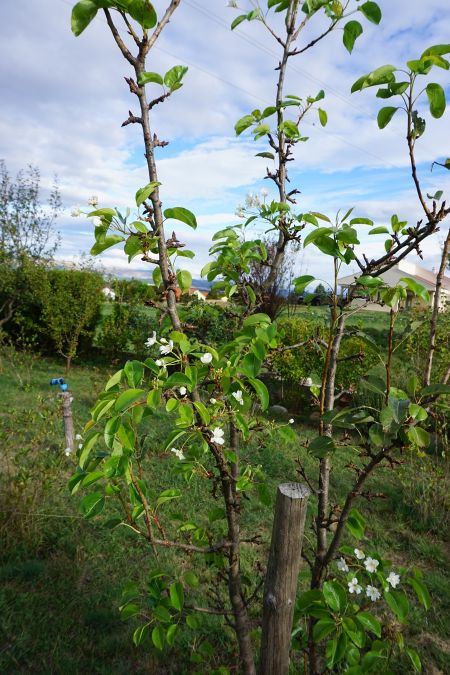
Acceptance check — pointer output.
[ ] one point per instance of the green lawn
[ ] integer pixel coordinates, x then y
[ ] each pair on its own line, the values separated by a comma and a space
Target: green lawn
62, 577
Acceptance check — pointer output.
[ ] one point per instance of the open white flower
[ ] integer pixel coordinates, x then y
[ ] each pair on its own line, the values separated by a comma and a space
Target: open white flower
212, 400
371, 564
166, 349
178, 453
93, 201
151, 340
67, 452
354, 587
291, 421
393, 579
373, 593
159, 363
217, 436
182, 391
359, 554
342, 565
238, 396
76, 212
206, 358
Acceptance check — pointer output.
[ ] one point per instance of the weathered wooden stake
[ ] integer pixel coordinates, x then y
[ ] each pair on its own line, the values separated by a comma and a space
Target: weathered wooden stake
67, 399
282, 575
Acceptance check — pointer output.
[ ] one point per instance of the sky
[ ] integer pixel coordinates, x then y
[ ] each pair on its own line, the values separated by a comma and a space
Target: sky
65, 98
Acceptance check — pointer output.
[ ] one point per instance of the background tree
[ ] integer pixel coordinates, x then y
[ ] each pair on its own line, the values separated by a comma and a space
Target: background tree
27, 238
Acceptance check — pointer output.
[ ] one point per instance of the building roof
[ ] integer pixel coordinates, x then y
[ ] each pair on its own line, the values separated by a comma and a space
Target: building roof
403, 269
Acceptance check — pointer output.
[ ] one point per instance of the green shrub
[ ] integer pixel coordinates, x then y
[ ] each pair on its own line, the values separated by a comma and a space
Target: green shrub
301, 362
211, 324
416, 346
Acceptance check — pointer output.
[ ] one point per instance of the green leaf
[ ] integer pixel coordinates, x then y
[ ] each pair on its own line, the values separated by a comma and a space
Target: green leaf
356, 524
435, 390
158, 637
399, 604
257, 319
381, 75
182, 214
154, 398
143, 12
184, 279
134, 372
261, 391
143, 193
243, 124
316, 234
436, 99
266, 155
114, 379
415, 660
323, 117
88, 444
105, 243
371, 11
168, 496
355, 633
369, 622
203, 412
370, 282
239, 19
323, 628
140, 634
82, 15
419, 437
93, 504
335, 596
300, 283
385, 115
127, 398
176, 593
416, 288
379, 230
146, 77
321, 446
352, 30
436, 50
191, 579
421, 591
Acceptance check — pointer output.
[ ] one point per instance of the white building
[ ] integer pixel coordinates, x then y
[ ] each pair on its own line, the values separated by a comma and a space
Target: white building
392, 277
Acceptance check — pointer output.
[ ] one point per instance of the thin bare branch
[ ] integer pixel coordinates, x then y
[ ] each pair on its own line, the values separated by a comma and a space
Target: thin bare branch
120, 43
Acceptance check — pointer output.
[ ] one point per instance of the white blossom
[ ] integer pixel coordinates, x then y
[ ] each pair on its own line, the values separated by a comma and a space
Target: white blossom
359, 554
264, 192
159, 362
76, 212
342, 565
252, 200
393, 579
239, 213
67, 452
206, 358
291, 421
178, 453
96, 221
163, 341
354, 587
182, 391
78, 437
371, 564
232, 3
151, 340
238, 396
166, 349
212, 400
217, 436
93, 201
373, 593
80, 445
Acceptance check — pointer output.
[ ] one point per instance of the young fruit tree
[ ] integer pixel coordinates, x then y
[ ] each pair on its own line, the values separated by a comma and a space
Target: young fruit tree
215, 399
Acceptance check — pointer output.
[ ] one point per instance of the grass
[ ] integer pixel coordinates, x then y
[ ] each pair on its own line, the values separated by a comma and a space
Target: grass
61, 577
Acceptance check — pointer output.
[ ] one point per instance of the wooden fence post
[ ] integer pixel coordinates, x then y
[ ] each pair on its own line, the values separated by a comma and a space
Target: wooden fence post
68, 419
282, 575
